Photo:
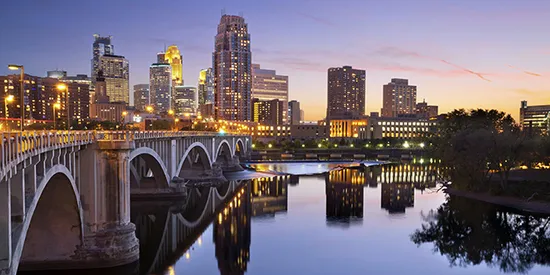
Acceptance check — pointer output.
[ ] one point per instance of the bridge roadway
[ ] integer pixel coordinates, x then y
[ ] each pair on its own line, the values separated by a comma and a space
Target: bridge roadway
65, 196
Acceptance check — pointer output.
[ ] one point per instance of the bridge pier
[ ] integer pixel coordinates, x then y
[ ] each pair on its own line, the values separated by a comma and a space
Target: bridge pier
109, 236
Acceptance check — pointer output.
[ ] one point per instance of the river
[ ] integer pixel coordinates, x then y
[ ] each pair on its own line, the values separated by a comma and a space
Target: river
387, 219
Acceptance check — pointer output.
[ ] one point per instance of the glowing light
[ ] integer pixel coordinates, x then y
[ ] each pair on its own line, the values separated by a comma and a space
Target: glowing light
406, 144
270, 145
335, 145
421, 161
149, 109
61, 86
57, 105
422, 145
199, 241
319, 145
170, 112
187, 255
253, 145
124, 113
14, 67
351, 146
221, 131
303, 145
10, 98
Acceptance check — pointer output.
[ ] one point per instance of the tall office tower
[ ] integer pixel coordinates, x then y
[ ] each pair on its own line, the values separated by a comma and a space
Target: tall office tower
346, 93
232, 70
269, 112
399, 98
206, 87
294, 112
185, 100
160, 57
116, 72
102, 46
267, 85
173, 57
141, 96
160, 87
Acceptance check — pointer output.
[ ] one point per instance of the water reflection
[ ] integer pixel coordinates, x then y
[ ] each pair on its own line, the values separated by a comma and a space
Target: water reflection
469, 232
344, 196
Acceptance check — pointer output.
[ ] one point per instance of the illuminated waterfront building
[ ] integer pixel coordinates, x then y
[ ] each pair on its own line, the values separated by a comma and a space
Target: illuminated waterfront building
141, 96
346, 128
534, 118
346, 93
160, 87
344, 196
173, 57
398, 127
232, 234
268, 86
185, 100
117, 77
101, 46
398, 98
102, 109
206, 87
270, 112
232, 70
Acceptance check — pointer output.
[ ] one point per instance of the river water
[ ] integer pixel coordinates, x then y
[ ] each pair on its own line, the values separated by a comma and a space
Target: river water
387, 219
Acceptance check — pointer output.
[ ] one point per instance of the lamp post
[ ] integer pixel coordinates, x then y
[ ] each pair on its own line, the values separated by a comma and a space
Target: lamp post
22, 88
124, 114
171, 113
64, 87
149, 109
56, 105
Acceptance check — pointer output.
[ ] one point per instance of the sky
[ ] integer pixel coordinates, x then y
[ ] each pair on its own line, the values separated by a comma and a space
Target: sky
459, 53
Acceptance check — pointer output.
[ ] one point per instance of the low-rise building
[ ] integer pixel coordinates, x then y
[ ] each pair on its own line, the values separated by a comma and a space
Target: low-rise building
534, 118
398, 127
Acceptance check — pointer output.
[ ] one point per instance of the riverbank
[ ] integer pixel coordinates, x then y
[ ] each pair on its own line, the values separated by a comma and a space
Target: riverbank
532, 207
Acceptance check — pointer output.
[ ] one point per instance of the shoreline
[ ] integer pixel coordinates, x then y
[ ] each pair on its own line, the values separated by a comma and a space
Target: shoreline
530, 207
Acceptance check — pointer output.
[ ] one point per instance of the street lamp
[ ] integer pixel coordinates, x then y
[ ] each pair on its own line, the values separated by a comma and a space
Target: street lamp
176, 120
22, 88
149, 109
56, 105
124, 114
64, 87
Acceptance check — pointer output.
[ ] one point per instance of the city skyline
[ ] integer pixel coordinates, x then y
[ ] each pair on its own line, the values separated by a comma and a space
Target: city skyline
479, 54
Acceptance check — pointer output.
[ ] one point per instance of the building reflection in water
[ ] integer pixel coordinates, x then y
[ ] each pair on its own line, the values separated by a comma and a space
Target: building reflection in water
269, 195
232, 234
344, 196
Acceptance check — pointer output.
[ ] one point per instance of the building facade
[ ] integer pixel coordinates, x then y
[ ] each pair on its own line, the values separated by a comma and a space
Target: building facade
346, 93
232, 70
534, 118
173, 57
267, 85
101, 46
398, 127
116, 72
269, 112
398, 98
160, 87
185, 100
206, 87
141, 96
294, 112
424, 110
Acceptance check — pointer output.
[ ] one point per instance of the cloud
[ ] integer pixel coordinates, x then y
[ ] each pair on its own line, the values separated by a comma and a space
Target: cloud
526, 72
480, 75
316, 19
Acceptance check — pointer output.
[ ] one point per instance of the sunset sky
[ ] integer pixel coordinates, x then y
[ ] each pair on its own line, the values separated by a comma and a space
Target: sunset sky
460, 54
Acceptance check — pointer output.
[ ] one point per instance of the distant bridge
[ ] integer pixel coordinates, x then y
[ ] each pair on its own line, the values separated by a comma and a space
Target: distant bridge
65, 196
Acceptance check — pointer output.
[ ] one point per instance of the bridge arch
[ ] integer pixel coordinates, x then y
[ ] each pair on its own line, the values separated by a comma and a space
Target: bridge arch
55, 212
224, 151
194, 161
240, 149
144, 160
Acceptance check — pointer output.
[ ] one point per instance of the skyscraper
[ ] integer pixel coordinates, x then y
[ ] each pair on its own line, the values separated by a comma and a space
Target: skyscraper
173, 57
346, 93
398, 98
294, 112
116, 72
267, 86
232, 70
269, 112
185, 100
100, 47
160, 87
141, 96
206, 87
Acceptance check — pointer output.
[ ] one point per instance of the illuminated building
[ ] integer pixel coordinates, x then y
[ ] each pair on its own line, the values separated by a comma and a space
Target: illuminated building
141, 96
173, 57
269, 195
160, 87
232, 70
346, 93
344, 196
396, 197
206, 87
185, 100
346, 128
268, 86
56, 74
423, 110
294, 112
398, 127
116, 72
232, 234
270, 112
398, 98
101, 46
103, 109
308, 131
534, 118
